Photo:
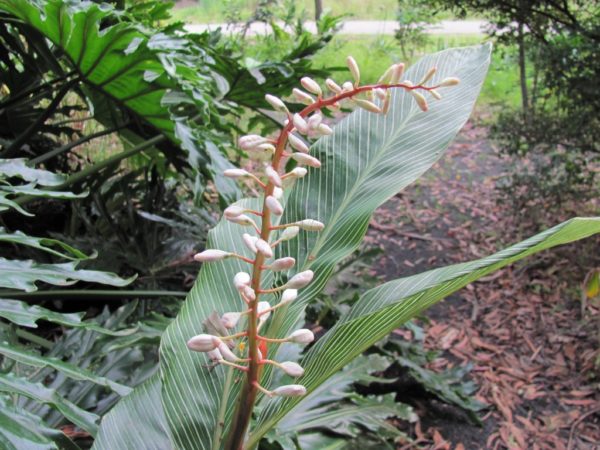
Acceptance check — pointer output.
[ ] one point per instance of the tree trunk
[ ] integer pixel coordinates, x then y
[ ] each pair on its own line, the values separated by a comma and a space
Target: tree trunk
318, 9
522, 70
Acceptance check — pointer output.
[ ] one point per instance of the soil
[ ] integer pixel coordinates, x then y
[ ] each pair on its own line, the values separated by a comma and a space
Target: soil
534, 348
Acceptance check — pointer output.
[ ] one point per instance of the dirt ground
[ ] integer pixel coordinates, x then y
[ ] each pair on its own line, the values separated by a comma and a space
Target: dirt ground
534, 348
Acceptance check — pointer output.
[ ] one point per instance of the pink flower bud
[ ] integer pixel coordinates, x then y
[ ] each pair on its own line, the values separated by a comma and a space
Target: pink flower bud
282, 264
236, 173
215, 355
243, 220
303, 97
347, 86
380, 93
289, 233
250, 242
310, 225
421, 101
233, 211
367, 105
300, 280
300, 123
297, 143
333, 86
276, 103
451, 81
324, 129
435, 94
301, 336
430, 73
273, 176
397, 73
288, 296
230, 319
262, 311
298, 172
290, 390
311, 86
264, 248
291, 368
273, 205
314, 120
387, 75
226, 352
277, 192
307, 160
251, 140
249, 293
353, 66
203, 343
211, 255
241, 280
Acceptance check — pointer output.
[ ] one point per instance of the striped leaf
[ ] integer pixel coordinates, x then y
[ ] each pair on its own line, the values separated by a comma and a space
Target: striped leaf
386, 307
368, 159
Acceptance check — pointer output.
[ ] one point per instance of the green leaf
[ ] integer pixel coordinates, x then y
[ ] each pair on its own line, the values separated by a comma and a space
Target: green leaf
70, 370
368, 158
31, 190
21, 430
22, 275
136, 422
26, 315
18, 168
382, 309
50, 397
45, 244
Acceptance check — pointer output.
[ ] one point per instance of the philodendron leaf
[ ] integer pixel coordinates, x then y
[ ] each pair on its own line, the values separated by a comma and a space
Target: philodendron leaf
27, 315
48, 245
136, 422
384, 308
21, 430
18, 168
368, 158
70, 370
36, 391
22, 275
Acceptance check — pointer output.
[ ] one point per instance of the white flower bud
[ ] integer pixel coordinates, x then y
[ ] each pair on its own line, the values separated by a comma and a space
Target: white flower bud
451, 81
314, 120
273, 205
297, 143
387, 75
435, 94
397, 73
215, 355
250, 242
276, 103
347, 86
289, 233
298, 172
203, 343
262, 152
324, 129
380, 93
211, 255
311, 86
277, 192
302, 97
310, 225
264, 248
243, 220
233, 211
421, 101
273, 176
288, 296
333, 86
300, 280
230, 319
427, 76
291, 368
301, 336
241, 280
251, 140
290, 390
282, 264
236, 173
307, 160
249, 293
300, 123
260, 309
386, 104
226, 352
367, 105
354, 70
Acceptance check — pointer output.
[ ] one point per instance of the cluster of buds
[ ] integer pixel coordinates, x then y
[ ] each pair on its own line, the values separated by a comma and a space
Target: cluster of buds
291, 143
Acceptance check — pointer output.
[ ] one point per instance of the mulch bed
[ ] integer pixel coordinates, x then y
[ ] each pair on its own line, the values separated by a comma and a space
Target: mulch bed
535, 349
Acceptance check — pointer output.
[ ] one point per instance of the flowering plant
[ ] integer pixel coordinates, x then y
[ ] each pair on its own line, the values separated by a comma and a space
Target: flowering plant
229, 369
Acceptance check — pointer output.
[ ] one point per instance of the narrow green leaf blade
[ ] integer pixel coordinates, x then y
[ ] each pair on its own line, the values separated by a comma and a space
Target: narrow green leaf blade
45, 244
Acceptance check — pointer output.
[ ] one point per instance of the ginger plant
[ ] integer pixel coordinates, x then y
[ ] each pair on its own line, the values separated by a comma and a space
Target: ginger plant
288, 144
